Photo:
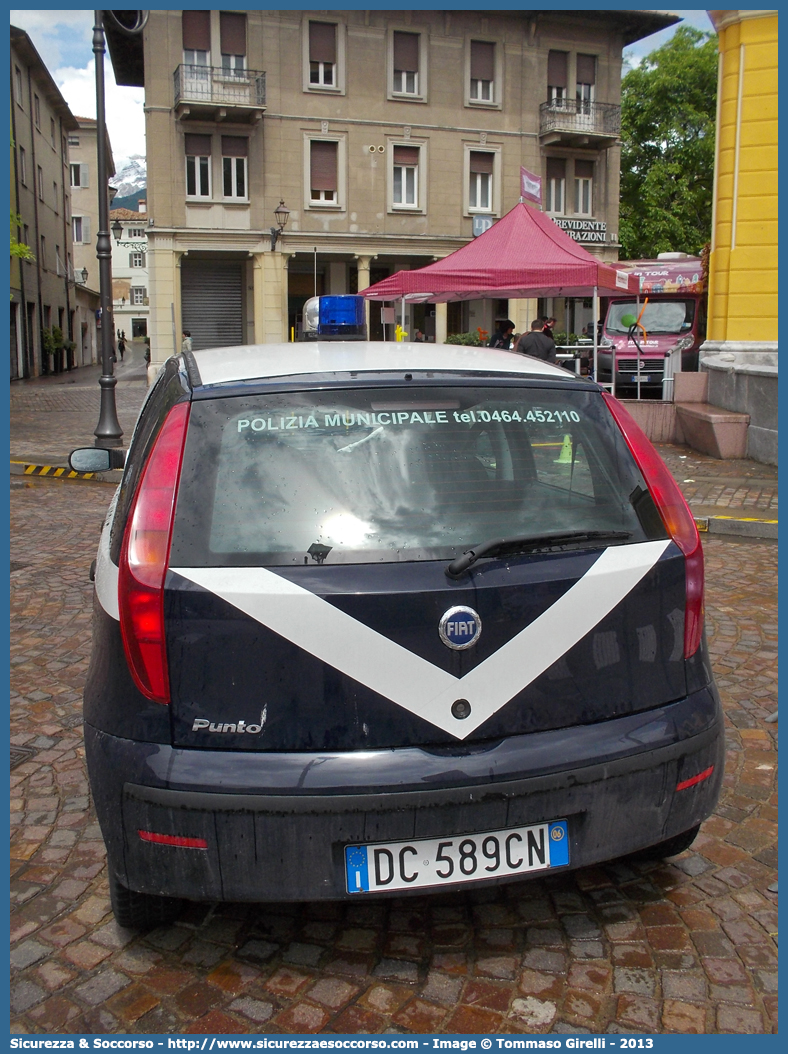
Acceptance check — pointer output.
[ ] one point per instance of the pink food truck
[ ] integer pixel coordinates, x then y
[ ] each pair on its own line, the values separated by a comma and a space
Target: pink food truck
672, 306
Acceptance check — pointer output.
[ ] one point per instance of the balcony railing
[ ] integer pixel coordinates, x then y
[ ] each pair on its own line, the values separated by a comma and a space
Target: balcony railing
216, 86
576, 117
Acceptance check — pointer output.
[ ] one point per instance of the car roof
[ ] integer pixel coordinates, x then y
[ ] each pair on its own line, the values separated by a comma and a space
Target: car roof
258, 361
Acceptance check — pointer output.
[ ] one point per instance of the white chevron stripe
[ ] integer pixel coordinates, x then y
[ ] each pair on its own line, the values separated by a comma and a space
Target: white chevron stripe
408, 680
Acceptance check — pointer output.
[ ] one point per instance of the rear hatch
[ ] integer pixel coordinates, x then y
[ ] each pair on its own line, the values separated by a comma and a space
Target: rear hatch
307, 602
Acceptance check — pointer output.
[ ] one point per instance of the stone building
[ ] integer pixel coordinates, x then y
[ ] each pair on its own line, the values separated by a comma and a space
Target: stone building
130, 302
43, 290
83, 176
386, 134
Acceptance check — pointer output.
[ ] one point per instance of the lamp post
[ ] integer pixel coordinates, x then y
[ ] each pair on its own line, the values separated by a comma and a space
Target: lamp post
282, 214
108, 432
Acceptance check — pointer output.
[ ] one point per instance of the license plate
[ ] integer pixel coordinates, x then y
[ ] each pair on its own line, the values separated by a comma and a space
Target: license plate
643, 380
465, 858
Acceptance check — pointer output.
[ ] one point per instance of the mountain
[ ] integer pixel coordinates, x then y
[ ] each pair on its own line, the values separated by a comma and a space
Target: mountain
130, 179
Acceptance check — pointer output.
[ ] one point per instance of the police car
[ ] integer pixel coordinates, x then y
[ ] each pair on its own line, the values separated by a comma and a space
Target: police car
377, 618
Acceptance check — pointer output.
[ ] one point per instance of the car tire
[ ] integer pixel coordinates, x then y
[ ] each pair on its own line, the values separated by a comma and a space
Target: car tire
671, 846
141, 911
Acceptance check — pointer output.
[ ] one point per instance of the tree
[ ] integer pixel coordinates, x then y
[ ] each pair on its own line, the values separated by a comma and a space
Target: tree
668, 114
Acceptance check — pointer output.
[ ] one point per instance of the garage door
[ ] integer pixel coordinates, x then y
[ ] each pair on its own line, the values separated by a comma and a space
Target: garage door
212, 302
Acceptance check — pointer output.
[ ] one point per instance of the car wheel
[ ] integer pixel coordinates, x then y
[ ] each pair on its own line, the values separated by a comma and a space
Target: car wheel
671, 846
141, 911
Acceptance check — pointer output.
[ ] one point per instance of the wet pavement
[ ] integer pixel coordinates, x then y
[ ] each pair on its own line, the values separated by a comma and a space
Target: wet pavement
687, 945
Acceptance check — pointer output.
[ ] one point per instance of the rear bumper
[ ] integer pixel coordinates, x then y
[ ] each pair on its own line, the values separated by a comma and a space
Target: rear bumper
275, 826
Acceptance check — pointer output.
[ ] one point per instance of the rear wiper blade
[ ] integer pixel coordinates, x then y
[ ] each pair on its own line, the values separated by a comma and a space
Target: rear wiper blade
522, 544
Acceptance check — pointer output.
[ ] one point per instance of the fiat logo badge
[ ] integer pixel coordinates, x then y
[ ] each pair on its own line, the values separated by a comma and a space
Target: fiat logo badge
460, 628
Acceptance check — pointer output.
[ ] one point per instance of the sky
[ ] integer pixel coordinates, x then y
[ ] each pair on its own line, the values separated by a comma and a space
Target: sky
64, 38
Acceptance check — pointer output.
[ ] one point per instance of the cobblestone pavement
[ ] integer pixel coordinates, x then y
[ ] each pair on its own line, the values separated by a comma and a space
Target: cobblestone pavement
682, 946
735, 486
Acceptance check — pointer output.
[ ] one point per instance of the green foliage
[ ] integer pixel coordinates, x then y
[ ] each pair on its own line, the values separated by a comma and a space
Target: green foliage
469, 339
57, 337
48, 346
668, 113
19, 249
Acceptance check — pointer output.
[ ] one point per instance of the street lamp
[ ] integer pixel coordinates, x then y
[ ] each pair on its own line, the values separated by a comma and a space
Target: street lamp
282, 214
108, 432
117, 231
84, 275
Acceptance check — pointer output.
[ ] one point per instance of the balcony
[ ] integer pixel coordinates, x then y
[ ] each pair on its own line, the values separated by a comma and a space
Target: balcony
212, 93
579, 123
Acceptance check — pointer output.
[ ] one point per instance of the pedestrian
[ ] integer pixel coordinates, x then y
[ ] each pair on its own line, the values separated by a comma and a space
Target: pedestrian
186, 342
121, 346
502, 337
548, 326
537, 343
147, 354
119, 334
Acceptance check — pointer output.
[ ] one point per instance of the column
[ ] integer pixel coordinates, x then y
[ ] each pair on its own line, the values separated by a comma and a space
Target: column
363, 263
441, 323
258, 271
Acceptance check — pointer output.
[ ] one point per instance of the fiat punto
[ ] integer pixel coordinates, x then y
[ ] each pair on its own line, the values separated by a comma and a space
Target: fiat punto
377, 619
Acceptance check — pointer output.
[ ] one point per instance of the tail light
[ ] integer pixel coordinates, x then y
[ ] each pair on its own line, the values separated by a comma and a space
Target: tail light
144, 558
675, 514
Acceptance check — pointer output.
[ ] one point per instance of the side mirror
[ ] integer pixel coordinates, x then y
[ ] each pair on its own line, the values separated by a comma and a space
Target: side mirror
96, 459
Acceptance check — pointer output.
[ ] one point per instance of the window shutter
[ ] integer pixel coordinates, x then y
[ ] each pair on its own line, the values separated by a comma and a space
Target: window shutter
586, 69
556, 168
84, 176
131, 259
235, 146
232, 33
196, 30
481, 161
482, 61
144, 292
85, 229
322, 46
197, 145
144, 260
406, 155
406, 52
584, 169
556, 69
323, 164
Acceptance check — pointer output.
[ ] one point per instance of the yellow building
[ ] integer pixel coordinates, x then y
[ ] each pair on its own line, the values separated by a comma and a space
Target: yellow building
740, 354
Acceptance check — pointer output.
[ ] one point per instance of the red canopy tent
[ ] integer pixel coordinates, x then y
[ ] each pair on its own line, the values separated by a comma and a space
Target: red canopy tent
525, 254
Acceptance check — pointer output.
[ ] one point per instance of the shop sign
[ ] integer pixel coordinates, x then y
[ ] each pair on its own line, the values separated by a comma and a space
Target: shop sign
584, 230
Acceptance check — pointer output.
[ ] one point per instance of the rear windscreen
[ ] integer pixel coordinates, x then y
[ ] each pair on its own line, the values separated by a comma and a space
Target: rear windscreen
392, 474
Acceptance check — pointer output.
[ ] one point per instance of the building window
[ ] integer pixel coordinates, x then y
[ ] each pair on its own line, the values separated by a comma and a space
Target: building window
234, 159
55, 197
37, 111
198, 166
584, 186
323, 55
555, 185
40, 183
18, 85
136, 232
585, 79
79, 175
80, 228
232, 34
52, 130
23, 165
323, 172
196, 36
73, 140
136, 259
557, 78
482, 72
405, 63
405, 176
480, 186
138, 295
43, 256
